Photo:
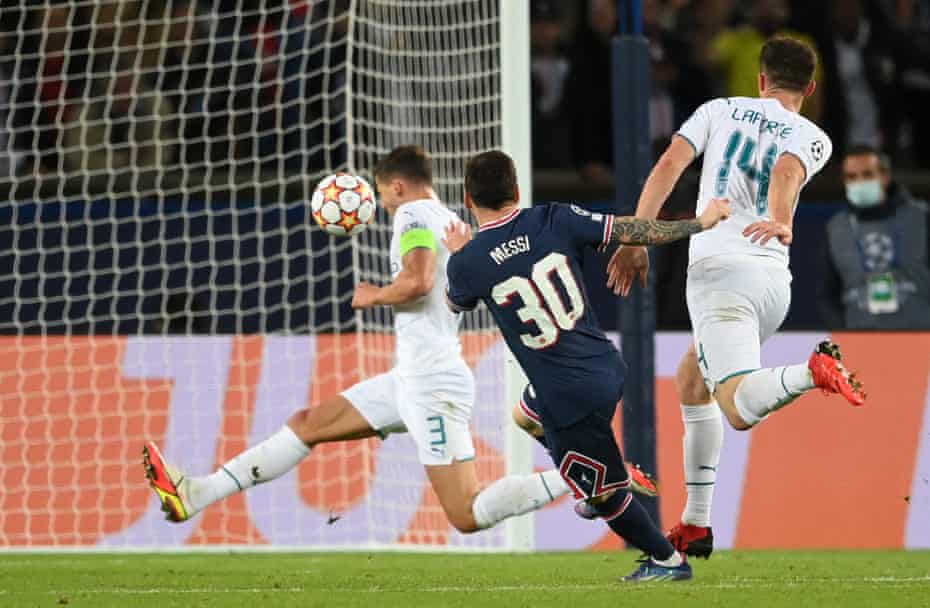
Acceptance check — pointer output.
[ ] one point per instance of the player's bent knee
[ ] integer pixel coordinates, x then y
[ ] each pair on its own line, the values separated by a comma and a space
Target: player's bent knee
334, 420
690, 382
302, 425
526, 423
465, 527
463, 521
597, 500
727, 403
613, 504
736, 421
692, 391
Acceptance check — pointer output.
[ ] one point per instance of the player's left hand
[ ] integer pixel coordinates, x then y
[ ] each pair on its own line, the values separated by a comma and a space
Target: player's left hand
457, 236
765, 231
365, 295
626, 264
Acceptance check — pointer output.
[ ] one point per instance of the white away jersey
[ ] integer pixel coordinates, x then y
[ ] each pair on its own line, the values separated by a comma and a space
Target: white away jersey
741, 138
426, 330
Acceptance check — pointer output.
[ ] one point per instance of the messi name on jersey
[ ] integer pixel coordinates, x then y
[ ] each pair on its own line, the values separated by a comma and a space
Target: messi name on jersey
510, 248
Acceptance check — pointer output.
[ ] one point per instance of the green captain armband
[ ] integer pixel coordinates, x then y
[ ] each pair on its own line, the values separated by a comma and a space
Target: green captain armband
415, 238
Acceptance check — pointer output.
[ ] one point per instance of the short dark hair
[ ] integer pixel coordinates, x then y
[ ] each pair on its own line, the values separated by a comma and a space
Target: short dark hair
789, 64
491, 179
869, 150
409, 162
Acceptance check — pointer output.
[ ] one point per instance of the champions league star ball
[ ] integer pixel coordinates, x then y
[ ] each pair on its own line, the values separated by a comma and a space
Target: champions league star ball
343, 204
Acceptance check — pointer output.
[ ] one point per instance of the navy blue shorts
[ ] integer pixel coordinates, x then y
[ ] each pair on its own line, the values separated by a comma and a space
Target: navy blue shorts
586, 452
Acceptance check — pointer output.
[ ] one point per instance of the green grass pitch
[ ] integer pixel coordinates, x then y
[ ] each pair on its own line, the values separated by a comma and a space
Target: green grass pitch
388, 580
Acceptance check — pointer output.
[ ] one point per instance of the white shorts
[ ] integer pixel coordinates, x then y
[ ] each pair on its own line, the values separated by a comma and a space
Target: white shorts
435, 409
736, 302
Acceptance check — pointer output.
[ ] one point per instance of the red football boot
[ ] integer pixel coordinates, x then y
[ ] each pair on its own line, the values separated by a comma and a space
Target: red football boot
166, 482
642, 482
830, 376
696, 541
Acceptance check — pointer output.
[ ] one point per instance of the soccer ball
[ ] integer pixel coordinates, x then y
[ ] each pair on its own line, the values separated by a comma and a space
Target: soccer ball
343, 204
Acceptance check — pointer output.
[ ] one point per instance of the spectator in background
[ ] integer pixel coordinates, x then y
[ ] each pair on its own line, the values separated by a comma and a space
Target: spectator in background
590, 96
701, 23
49, 66
177, 50
552, 128
275, 53
878, 257
127, 123
913, 18
10, 158
679, 84
860, 74
736, 52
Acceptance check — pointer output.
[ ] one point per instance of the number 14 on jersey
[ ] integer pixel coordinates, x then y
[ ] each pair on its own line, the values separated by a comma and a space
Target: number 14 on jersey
745, 163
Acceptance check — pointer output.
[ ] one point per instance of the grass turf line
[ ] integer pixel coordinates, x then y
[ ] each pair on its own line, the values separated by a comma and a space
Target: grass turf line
389, 580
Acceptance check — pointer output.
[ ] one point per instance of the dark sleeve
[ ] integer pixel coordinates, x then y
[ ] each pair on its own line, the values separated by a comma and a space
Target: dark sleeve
458, 294
830, 292
584, 228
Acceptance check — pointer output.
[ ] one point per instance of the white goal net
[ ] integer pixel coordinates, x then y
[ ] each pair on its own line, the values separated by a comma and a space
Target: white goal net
162, 277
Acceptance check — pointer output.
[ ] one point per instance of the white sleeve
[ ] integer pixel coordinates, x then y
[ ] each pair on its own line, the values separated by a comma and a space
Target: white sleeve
407, 218
813, 148
696, 130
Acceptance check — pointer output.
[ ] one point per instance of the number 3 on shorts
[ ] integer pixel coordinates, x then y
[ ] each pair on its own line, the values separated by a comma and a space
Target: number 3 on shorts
437, 432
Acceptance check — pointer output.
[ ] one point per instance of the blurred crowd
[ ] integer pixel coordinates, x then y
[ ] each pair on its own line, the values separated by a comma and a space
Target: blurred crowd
97, 87
134, 84
103, 84
869, 266
874, 72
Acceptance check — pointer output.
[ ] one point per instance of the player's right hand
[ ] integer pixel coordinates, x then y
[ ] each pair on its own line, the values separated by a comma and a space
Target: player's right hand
718, 209
457, 236
625, 265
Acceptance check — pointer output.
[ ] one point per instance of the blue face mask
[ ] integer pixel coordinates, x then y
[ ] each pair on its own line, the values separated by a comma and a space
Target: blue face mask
867, 193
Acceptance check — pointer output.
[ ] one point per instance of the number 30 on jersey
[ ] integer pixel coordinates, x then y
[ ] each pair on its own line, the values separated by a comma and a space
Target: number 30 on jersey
543, 305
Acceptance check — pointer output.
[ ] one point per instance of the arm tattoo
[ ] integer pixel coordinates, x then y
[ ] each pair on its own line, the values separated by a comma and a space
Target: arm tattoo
634, 231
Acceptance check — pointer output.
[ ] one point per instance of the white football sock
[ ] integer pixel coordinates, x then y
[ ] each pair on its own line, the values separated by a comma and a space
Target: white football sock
767, 390
516, 495
260, 463
702, 444
672, 562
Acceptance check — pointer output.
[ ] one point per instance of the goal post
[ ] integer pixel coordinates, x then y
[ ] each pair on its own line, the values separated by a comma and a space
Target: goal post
164, 280
517, 142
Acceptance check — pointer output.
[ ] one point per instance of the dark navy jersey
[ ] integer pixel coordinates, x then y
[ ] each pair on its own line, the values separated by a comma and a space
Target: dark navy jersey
526, 268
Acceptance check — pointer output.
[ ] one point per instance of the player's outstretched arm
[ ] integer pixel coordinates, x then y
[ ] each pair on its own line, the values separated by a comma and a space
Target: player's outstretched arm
636, 231
627, 263
663, 177
414, 281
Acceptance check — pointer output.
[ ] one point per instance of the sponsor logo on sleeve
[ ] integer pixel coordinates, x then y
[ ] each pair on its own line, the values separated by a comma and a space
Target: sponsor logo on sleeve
580, 211
413, 226
597, 217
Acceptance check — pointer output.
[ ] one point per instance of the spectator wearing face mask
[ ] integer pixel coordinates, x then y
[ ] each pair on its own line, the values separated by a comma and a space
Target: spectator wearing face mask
878, 256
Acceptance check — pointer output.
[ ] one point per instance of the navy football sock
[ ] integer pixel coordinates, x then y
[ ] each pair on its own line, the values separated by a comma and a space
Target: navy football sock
629, 520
